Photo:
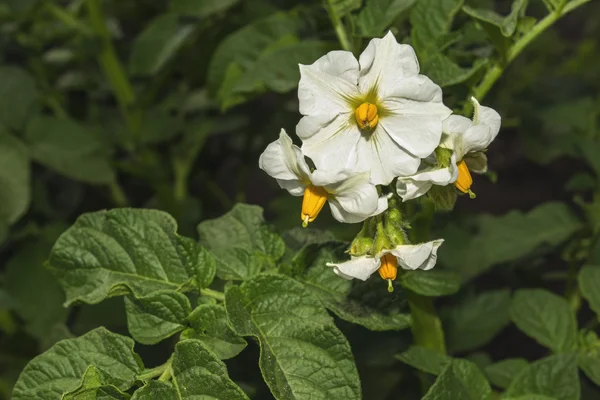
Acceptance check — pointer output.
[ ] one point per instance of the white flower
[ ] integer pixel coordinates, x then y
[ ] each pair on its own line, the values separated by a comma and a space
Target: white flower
466, 139
350, 195
407, 256
374, 114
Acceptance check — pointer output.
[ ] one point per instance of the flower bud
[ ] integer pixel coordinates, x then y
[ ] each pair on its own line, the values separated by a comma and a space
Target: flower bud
361, 246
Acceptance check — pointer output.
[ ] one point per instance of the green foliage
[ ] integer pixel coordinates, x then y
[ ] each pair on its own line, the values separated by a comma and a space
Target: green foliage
241, 242
198, 373
18, 97
476, 320
431, 283
209, 325
546, 317
425, 359
66, 366
93, 387
503, 372
506, 238
554, 376
156, 316
68, 148
377, 15
459, 379
302, 353
589, 284
127, 252
14, 178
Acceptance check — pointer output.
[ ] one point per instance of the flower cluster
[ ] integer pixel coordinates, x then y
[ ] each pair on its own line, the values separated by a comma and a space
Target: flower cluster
367, 123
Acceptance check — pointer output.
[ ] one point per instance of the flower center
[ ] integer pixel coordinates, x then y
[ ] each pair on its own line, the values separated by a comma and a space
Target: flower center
464, 180
366, 116
388, 269
312, 203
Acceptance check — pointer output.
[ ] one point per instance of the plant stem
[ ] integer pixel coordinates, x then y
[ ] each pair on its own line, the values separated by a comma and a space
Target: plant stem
213, 293
496, 71
163, 372
113, 69
340, 29
117, 194
426, 325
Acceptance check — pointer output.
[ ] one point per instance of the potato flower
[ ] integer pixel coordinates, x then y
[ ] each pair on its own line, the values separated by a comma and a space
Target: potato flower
407, 256
374, 114
351, 197
466, 140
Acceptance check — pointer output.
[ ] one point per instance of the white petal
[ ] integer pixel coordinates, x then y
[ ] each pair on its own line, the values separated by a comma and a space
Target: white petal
358, 267
419, 134
411, 92
285, 162
326, 84
383, 157
332, 147
453, 128
486, 124
384, 61
408, 189
417, 256
356, 195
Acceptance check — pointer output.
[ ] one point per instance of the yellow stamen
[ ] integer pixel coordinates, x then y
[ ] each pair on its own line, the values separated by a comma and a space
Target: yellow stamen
464, 181
312, 203
366, 116
389, 268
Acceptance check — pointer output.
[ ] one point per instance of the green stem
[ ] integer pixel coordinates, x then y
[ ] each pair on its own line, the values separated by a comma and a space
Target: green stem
340, 29
220, 296
153, 372
496, 71
117, 194
113, 69
426, 325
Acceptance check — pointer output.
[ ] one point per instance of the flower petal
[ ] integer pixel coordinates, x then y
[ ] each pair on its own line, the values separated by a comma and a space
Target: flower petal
358, 267
419, 134
408, 189
414, 95
417, 256
285, 162
384, 61
383, 157
332, 147
355, 195
486, 125
326, 84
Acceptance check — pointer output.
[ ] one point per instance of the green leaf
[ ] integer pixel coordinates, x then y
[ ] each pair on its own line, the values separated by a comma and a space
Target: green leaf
158, 43
199, 374
378, 15
69, 148
302, 353
424, 359
431, 20
497, 27
201, 9
14, 178
241, 243
209, 324
589, 355
263, 55
530, 397
17, 97
36, 295
93, 388
155, 390
503, 372
476, 320
341, 8
546, 317
157, 316
555, 376
435, 282
60, 369
363, 303
124, 251
554, 5
470, 250
298, 237
589, 285
460, 379
445, 72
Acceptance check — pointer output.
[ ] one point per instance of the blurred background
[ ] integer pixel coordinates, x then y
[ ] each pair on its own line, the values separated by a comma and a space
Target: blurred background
168, 104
